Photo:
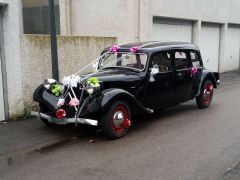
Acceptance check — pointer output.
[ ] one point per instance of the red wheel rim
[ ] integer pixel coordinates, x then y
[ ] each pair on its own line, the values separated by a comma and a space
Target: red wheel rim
208, 94
120, 119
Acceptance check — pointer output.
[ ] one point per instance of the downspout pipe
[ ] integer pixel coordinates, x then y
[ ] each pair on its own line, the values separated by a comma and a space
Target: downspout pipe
53, 34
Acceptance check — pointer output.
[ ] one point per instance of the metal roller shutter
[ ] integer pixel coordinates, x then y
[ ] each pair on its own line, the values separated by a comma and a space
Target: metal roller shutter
172, 30
232, 57
209, 46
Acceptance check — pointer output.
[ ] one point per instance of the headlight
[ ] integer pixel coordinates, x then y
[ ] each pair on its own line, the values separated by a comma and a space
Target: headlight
52, 85
48, 82
90, 91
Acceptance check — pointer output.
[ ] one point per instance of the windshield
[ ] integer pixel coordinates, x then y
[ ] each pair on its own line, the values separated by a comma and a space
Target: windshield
108, 60
123, 60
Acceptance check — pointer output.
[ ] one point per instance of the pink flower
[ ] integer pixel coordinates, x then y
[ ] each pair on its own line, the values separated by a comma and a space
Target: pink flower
114, 49
194, 70
134, 49
61, 102
74, 102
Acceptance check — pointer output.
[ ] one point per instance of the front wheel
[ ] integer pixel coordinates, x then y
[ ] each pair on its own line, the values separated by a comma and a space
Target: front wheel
206, 95
117, 120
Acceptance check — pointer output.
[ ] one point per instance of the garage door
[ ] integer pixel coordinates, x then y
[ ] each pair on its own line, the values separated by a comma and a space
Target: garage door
2, 116
209, 46
171, 30
231, 61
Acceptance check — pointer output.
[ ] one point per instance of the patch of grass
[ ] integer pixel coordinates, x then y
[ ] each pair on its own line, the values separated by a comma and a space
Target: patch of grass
26, 114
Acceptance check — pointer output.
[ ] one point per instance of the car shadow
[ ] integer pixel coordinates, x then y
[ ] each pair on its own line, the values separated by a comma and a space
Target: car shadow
142, 122
139, 122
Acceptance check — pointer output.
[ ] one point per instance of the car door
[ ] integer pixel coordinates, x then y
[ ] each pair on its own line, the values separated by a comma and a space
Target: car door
183, 76
197, 62
160, 87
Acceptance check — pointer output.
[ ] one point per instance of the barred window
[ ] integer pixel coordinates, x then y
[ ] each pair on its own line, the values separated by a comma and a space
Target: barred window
36, 16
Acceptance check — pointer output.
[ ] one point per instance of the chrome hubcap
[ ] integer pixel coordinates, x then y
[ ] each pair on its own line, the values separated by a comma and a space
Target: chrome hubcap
118, 119
207, 94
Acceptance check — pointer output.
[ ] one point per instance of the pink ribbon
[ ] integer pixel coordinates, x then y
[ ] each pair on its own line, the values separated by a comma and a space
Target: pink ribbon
194, 70
61, 102
114, 49
74, 102
134, 49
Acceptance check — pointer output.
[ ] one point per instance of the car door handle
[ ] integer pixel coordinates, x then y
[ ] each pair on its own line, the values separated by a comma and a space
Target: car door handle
179, 74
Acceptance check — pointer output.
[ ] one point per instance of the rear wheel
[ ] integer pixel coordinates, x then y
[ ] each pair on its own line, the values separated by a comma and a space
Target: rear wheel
116, 121
206, 95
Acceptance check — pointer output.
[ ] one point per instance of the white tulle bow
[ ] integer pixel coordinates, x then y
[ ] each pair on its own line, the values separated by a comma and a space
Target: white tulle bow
72, 80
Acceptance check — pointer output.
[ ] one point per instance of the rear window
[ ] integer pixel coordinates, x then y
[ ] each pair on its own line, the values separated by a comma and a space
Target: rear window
195, 59
181, 60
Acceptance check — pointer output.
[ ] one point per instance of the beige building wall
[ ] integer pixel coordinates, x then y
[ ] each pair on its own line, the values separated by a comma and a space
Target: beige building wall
74, 52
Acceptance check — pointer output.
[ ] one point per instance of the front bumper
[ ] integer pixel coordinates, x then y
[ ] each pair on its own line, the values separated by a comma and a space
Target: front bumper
65, 120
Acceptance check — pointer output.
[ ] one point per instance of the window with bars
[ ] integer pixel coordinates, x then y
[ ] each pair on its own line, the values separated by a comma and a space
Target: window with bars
36, 16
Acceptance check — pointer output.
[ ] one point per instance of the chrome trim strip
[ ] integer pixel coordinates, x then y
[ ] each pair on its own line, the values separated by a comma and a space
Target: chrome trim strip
64, 121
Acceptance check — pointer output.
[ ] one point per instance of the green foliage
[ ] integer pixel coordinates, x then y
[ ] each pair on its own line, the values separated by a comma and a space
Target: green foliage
55, 89
93, 81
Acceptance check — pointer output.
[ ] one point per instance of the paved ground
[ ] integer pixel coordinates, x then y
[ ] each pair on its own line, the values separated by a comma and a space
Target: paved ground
179, 143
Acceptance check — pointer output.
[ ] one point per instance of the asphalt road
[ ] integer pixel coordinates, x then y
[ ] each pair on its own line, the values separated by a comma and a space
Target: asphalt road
179, 143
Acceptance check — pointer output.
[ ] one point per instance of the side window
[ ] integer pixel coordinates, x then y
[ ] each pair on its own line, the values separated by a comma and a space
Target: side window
181, 60
195, 59
162, 61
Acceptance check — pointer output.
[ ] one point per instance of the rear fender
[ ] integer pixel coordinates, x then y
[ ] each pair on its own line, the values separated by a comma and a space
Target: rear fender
110, 96
212, 76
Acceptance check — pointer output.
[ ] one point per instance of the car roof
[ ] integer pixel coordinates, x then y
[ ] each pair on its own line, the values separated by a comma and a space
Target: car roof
158, 45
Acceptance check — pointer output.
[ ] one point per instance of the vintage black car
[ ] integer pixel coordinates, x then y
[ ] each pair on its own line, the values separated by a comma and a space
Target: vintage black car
128, 79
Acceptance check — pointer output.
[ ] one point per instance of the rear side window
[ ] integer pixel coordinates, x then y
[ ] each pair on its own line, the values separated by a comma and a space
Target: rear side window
181, 60
195, 59
162, 61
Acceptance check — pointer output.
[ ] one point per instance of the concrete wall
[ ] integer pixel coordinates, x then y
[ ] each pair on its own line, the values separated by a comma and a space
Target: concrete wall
114, 18
206, 10
120, 17
74, 53
4, 2
12, 27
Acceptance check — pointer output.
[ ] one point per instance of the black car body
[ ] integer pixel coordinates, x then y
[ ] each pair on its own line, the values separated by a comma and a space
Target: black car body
172, 73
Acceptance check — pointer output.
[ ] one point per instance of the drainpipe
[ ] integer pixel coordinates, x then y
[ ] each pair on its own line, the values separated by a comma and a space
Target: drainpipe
55, 71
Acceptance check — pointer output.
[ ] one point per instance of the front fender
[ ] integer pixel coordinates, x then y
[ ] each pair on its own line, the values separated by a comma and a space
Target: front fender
45, 99
110, 96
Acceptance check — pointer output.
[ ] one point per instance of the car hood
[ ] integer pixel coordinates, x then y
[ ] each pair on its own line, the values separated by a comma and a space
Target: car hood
114, 75
123, 79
